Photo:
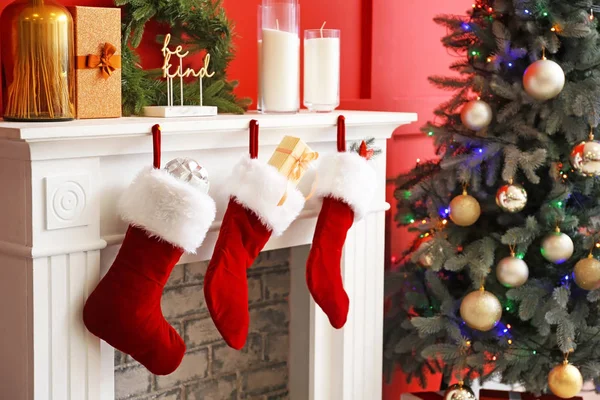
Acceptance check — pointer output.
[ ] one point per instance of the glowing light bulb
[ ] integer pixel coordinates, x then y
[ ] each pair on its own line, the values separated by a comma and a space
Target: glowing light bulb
510, 65
489, 59
424, 221
444, 222
553, 29
490, 9
565, 176
526, 11
494, 358
598, 245
509, 326
509, 341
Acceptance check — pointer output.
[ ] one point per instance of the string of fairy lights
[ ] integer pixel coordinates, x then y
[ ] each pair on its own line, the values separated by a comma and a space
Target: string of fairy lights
477, 55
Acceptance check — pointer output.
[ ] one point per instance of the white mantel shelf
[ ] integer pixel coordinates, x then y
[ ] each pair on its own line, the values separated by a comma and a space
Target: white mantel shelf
114, 127
59, 232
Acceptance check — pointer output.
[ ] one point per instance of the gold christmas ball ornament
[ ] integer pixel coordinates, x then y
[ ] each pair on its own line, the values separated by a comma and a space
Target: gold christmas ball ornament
587, 273
481, 310
557, 247
544, 80
511, 198
464, 210
565, 381
585, 158
476, 115
459, 391
512, 272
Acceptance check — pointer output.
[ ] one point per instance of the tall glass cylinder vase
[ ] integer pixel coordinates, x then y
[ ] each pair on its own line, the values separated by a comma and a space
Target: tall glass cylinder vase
279, 57
37, 61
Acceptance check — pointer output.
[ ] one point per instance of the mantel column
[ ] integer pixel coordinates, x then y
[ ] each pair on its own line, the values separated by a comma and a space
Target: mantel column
48, 268
344, 364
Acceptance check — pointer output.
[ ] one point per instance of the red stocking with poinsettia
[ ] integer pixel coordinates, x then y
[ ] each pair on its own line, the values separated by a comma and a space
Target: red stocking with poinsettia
346, 184
167, 217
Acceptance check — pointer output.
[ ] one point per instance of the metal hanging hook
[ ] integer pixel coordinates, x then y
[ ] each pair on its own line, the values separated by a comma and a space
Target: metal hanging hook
253, 144
156, 144
341, 134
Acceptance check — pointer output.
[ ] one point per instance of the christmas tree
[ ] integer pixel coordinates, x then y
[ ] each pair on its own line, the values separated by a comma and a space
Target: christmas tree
502, 281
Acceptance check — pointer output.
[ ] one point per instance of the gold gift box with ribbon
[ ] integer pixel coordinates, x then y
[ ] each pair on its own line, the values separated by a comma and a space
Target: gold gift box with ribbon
97, 61
292, 158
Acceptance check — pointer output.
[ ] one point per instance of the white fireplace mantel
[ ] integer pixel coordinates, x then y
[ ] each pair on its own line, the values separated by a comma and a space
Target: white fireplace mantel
59, 232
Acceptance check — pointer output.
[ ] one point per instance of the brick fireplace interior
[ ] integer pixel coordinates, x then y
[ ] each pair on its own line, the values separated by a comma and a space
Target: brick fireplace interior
210, 369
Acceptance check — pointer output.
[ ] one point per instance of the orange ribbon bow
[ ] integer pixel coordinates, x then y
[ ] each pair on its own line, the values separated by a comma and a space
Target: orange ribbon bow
107, 61
301, 164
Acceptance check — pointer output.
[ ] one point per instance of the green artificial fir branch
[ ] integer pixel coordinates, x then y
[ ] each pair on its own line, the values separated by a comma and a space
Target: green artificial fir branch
528, 142
199, 26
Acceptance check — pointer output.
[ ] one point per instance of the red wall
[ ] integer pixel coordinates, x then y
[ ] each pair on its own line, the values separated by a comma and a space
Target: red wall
389, 47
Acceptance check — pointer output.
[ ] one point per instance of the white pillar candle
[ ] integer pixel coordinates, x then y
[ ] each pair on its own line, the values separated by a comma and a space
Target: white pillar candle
280, 71
322, 73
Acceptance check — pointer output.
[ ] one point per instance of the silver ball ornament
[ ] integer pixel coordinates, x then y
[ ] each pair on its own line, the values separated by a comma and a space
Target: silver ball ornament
544, 80
427, 254
511, 198
587, 273
476, 115
459, 392
512, 272
189, 171
585, 158
557, 247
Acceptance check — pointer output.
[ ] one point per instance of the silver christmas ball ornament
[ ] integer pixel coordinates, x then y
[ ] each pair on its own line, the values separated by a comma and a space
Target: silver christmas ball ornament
427, 254
585, 158
511, 198
544, 80
557, 247
476, 115
189, 171
512, 272
459, 391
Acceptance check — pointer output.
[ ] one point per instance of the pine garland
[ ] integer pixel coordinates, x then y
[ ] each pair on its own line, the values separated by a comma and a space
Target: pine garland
198, 25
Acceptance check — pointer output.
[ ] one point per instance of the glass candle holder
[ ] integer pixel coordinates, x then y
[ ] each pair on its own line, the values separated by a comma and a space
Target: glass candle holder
37, 61
260, 75
279, 57
322, 69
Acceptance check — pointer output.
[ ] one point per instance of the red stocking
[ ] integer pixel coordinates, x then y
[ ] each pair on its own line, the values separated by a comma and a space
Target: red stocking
166, 217
251, 216
346, 184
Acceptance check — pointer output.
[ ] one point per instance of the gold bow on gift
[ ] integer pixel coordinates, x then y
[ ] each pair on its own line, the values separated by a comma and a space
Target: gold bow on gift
301, 164
107, 61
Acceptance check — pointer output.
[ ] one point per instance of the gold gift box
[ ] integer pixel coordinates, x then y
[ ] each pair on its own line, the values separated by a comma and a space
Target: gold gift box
97, 61
291, 158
